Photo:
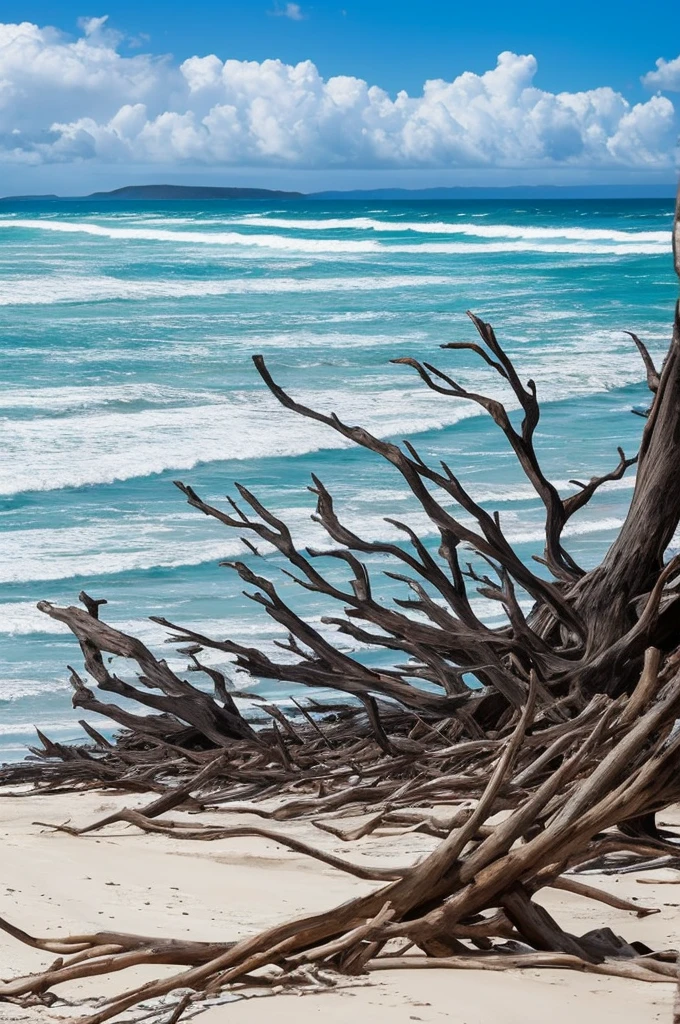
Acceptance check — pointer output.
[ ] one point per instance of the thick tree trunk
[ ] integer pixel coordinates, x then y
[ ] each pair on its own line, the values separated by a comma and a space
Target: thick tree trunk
606, 597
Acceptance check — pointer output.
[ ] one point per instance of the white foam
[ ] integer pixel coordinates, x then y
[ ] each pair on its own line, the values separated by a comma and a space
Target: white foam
585, 248
573, 529
526, 243
71, 451
515, 526
222, 238
108, 546
17, 689
103, 445
60, 399
56, 288
22, 728
490, 496
65, 727
101, 550
508, 231
21, 618
138, 542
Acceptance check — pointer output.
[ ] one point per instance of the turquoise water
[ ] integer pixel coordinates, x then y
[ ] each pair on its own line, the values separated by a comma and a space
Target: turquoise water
126, 335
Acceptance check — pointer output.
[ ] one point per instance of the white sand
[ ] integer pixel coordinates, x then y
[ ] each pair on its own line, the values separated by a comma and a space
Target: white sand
53, 884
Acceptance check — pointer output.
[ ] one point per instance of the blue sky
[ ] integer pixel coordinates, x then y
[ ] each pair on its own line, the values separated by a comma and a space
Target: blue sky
399, 43
62, 122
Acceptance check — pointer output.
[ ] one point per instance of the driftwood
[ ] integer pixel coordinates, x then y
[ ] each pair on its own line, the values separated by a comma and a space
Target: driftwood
554, 764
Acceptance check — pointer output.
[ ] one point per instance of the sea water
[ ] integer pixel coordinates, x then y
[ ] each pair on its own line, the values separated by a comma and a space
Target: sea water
127, 332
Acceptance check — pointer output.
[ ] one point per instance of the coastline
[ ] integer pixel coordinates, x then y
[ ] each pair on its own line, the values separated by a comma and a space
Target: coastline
100, 425
120, 879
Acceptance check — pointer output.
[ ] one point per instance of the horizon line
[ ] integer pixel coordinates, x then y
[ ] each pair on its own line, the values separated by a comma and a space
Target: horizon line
634, 190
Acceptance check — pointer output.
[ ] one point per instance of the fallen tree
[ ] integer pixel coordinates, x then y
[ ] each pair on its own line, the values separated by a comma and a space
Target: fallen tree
556, 761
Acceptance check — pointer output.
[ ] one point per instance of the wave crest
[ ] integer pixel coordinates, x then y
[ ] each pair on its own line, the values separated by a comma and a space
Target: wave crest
578, 241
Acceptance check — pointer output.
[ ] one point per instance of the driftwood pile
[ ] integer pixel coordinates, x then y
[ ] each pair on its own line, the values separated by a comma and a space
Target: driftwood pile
555, 763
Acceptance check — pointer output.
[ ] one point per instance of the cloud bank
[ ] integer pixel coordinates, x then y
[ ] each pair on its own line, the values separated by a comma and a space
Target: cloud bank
64, 100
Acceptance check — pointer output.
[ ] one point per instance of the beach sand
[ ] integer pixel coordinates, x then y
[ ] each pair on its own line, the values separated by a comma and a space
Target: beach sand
52, 884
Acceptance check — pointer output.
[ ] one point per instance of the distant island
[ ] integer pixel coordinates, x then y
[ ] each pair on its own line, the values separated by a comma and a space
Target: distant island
511, 192
163, 192
193, 192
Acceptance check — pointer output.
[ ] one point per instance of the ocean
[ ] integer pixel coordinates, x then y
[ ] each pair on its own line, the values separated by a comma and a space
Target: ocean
126, 333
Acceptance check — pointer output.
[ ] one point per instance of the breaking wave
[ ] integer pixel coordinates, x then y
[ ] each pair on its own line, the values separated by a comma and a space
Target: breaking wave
526, 240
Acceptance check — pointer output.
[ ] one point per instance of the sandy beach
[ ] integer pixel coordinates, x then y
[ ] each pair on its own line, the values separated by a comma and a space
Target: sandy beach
118, 879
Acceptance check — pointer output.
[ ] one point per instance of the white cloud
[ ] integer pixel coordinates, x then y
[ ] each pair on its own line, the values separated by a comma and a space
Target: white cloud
292, 11
91, 26
666, 76
65, 100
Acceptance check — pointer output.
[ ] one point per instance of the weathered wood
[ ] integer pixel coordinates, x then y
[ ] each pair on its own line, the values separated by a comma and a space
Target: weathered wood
573, 733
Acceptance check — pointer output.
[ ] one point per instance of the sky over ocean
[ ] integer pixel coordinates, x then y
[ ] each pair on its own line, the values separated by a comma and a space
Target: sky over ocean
311, 97
127, 332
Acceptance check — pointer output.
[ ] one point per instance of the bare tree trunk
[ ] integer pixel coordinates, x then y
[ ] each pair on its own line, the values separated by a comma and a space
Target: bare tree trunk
606, 597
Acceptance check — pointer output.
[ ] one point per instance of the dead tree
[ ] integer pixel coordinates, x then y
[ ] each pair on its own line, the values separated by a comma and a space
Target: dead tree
573, 728
469, 903
586, 632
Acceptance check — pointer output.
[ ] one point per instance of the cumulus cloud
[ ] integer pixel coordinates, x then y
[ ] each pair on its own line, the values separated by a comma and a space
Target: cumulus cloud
67, 100
666, 76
